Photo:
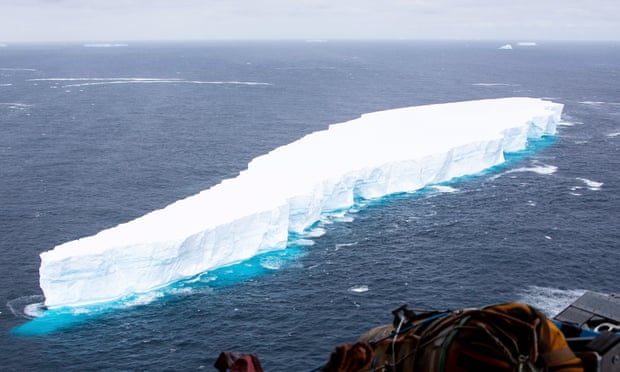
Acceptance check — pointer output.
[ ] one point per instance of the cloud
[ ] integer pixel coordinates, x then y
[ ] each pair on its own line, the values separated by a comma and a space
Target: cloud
87, 20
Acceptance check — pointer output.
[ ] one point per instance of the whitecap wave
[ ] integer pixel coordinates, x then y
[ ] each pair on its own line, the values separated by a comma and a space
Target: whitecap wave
444, 189
615, 134
566, 123
599, 103
592, 185
27, 307
100, 79
172, 81
359, 289
14, 105
141, 299
17, 69
90, 81
305, 68
549, 300
6, 85
543, 169
34, 310
344, 245
494, 85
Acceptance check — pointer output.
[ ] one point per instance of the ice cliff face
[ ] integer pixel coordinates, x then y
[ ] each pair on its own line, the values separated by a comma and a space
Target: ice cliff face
287, 190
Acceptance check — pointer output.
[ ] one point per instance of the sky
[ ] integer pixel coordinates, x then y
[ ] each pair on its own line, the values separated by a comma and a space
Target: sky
133, 20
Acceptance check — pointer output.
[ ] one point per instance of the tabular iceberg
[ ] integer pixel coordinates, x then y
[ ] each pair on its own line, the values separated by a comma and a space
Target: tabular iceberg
287, 190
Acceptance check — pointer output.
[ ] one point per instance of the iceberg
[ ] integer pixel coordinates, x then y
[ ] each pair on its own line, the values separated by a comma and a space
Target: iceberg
286, 191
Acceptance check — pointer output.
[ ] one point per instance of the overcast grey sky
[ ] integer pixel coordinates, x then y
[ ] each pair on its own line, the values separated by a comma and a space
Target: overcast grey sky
128, 20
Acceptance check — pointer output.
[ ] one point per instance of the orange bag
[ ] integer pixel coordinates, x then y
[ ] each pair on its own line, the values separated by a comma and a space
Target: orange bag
507, 337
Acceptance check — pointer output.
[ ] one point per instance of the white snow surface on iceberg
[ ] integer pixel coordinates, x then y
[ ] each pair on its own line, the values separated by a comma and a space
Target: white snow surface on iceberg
287, 191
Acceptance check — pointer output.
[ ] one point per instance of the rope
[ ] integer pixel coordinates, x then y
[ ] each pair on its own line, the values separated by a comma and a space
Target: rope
409, 328
396, 333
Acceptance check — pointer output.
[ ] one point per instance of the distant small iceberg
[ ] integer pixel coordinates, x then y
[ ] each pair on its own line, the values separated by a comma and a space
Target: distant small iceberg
3, 45
507, 46
105, 45
526, 43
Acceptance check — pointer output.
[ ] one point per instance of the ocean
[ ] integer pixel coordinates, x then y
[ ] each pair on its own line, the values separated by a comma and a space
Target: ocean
96, 135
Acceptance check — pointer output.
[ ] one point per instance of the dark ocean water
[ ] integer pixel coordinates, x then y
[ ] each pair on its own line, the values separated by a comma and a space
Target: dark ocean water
87, 143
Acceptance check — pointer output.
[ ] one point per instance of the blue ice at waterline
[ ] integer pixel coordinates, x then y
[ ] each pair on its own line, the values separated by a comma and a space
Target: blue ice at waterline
45, 321
287, 191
